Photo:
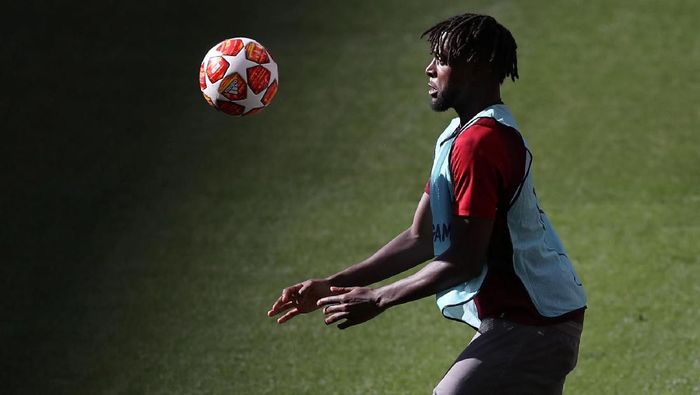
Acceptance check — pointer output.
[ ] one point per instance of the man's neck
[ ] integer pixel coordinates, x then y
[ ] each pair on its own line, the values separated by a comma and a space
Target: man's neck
470, 108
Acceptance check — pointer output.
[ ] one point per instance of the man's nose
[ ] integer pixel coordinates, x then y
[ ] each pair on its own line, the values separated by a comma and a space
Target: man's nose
430, 69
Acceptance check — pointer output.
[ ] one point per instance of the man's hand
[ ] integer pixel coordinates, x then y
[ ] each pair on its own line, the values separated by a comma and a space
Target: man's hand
299, 298
355, 304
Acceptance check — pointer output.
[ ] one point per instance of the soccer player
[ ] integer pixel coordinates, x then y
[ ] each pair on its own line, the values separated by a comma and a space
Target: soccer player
497, 263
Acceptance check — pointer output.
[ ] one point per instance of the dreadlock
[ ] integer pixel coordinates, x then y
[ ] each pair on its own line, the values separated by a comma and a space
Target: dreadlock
475, 38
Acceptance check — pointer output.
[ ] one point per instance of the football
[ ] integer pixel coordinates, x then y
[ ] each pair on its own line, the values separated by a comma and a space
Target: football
238, 76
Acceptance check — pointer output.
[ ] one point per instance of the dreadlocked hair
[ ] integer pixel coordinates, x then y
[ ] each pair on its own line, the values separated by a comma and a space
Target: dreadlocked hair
475, 38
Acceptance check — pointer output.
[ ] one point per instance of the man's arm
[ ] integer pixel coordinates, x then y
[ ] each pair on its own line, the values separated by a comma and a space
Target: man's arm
461, 262
410, 248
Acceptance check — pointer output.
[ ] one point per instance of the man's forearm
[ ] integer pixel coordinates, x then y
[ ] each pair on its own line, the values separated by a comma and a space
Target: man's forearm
400, 254
461, 262
433, 278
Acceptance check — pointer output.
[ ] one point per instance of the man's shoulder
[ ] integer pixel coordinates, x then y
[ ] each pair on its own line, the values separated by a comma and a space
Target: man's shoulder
487, 126
488, 133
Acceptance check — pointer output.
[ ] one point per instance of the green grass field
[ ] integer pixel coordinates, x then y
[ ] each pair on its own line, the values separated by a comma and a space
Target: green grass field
145, 235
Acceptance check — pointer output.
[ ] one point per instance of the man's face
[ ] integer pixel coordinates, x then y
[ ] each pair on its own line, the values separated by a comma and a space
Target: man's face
441, 87
448, 85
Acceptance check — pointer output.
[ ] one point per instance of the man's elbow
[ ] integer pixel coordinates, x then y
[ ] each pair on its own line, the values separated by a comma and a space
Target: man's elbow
452, 274
418, 235
463, 265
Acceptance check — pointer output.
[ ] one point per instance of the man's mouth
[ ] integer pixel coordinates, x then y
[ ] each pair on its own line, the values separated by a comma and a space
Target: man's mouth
432, 91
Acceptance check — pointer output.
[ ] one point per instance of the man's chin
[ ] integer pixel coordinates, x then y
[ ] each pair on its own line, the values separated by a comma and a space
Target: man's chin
438, 105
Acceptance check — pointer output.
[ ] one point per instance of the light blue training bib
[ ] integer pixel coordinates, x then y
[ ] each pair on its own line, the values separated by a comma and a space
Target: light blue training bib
539, 258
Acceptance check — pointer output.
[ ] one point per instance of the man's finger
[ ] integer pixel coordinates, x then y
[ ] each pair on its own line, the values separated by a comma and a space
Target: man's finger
279, 307
341, 290
276, 307
303, 288
335, 317
329, 300
288, 292
288, 316
335, 308
286, 297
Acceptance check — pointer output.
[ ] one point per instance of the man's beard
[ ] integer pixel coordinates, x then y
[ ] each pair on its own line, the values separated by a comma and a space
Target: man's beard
443, 101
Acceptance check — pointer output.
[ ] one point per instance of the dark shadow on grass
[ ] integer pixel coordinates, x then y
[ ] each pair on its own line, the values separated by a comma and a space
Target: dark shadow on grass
92, 92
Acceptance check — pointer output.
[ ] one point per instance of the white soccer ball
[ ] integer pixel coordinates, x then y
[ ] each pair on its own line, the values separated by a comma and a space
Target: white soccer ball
238, 76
